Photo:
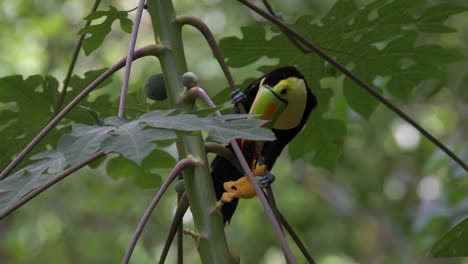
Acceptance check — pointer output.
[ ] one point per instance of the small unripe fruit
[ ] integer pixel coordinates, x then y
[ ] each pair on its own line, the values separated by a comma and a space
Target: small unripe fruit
155, 88
180, 186
189, 79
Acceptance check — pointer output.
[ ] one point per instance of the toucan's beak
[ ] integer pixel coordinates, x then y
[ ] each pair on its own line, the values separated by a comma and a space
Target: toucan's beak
267, 105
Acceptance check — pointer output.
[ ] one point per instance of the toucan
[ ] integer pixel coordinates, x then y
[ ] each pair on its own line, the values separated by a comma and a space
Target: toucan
282, 97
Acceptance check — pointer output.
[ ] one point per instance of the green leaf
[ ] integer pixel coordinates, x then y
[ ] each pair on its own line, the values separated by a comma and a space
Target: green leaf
432, 19
217, 129
102, 104
120, 167
133, 141
322, 137
454, 243
25, 108
377, 40
159, 158
82, 142
31, 177
80, 83
99, 32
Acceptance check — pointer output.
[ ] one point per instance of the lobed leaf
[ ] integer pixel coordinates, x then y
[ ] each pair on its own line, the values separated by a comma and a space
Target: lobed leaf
133, 141
454, 243
377, 41
30, 177
97, 33
25, 108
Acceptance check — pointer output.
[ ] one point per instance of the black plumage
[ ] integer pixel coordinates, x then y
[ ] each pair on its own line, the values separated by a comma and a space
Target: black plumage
222, 170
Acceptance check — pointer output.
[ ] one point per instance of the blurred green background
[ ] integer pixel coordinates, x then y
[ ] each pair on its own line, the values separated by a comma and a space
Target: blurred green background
392, 195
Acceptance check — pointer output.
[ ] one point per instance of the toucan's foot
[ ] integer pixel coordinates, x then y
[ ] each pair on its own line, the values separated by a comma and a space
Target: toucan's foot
195, 235
237, 97
266, 180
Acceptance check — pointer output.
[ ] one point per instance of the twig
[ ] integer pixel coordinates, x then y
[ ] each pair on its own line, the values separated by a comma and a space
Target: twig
176, 225
71, 67
128, 63
367, 87
181, 165
154, 50
272, 201
271, 216
296, 239
224, 152
291, 38
203, 28
48, 184
180, 235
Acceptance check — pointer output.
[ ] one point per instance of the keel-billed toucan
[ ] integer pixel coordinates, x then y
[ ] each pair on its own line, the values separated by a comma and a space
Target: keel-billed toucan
281, 96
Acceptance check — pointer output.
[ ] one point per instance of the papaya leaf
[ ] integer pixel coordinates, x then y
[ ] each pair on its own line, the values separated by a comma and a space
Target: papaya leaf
377, 41
159, 158
25, 108
120, 167
133, 141
454, 243
97, 33
217, 129
83, 141
30, 177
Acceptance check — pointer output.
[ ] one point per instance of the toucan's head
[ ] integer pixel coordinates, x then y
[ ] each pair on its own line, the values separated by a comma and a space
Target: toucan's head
284, 98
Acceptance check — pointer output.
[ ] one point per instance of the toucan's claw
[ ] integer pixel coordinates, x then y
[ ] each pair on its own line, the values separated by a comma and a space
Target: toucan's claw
237, 97
266, 180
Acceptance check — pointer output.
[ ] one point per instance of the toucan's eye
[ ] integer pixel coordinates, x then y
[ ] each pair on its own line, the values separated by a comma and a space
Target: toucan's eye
283, 91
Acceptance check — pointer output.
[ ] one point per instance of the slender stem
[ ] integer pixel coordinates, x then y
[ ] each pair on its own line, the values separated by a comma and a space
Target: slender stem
224, 152
296, 239
180, 235
181, 165
361, 83
206, 32
154, 50
176, 225
245, 167
271, 216
291, 38
128, 62
272, 201
48, 184
71, 67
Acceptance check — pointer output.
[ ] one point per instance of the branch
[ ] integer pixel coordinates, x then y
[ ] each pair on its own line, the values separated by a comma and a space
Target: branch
245, 167
76, 52
203, 28
296, 239
367, 87
291, 38
224, 152
181, 165
128, 62
182, 207
48, 184
154, 50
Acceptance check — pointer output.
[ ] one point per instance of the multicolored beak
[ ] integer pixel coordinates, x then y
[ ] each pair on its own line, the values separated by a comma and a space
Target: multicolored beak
267, 105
